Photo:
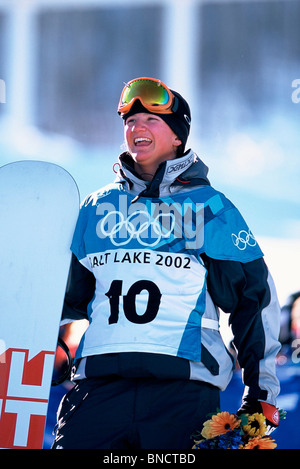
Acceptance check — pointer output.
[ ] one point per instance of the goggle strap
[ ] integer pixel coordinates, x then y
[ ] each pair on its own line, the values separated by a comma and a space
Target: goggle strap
175, 105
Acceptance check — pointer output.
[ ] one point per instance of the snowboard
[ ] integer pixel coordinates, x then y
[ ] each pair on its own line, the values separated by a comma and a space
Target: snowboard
39, 206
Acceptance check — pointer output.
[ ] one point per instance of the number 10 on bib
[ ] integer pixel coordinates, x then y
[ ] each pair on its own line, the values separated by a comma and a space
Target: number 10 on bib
39, 205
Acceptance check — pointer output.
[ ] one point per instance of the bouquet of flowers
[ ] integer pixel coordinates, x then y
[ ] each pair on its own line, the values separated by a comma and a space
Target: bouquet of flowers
228, 431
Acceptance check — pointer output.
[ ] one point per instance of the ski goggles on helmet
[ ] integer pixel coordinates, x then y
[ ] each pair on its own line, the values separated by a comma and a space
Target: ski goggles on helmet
154, 95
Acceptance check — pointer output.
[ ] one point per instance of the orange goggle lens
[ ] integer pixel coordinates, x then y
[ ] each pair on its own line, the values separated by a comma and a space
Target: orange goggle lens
153, 94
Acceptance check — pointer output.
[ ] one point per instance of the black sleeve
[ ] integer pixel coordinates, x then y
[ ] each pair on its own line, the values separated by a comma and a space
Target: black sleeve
241, 290
79, 291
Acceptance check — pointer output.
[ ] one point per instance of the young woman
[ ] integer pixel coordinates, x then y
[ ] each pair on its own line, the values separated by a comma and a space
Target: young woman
155, 254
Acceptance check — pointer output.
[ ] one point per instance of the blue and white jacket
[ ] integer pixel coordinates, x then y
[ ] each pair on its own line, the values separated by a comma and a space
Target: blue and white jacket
153, 264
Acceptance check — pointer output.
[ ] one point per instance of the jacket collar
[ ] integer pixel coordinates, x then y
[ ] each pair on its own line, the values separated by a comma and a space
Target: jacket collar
186, 171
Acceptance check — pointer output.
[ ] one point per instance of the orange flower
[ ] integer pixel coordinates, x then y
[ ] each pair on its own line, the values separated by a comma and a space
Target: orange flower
260, 442
219, 424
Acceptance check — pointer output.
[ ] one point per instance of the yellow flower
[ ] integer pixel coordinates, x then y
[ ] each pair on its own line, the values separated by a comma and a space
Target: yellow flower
260, 442
219, 424
256, 425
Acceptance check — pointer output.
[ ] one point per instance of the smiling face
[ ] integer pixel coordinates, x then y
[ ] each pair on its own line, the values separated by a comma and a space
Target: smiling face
150, 141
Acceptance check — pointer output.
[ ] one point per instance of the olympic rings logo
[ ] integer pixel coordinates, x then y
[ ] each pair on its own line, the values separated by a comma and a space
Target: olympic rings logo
243, 239
136, 230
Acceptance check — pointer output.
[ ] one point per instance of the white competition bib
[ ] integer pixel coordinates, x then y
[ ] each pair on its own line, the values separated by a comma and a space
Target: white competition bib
146, 301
